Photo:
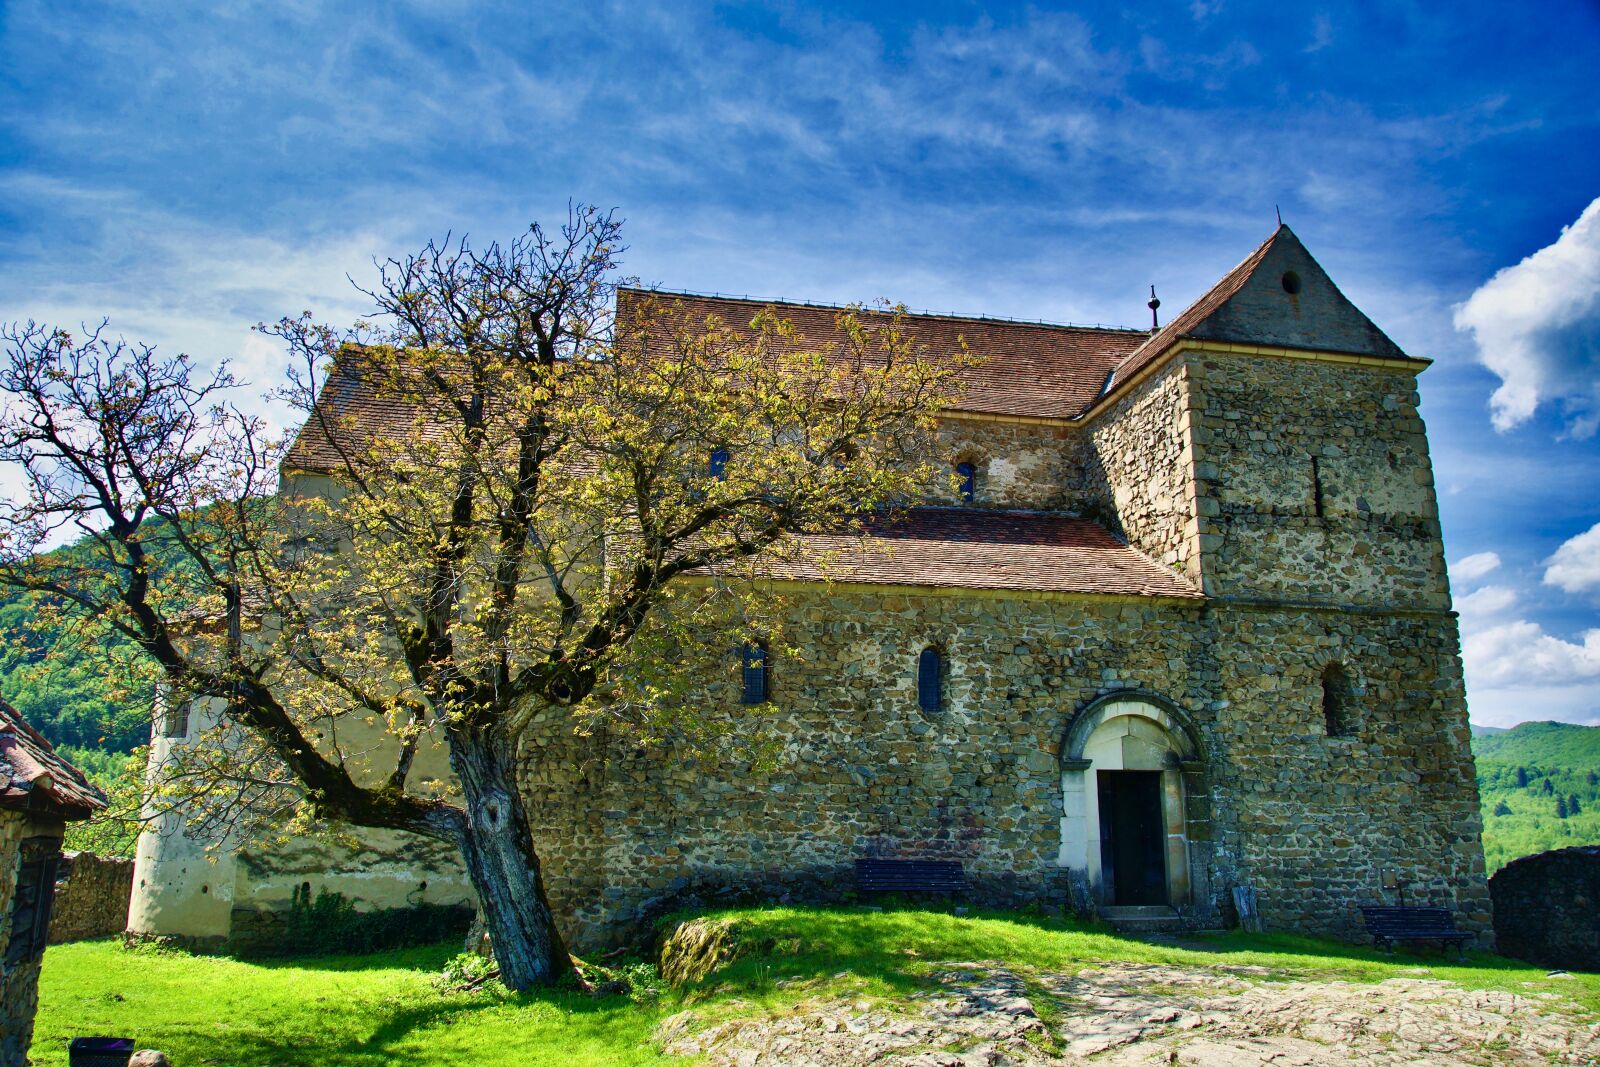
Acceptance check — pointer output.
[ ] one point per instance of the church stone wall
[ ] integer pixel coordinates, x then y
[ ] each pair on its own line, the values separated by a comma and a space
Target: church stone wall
1314, 483
1020, 464
1134, 467
1309, 821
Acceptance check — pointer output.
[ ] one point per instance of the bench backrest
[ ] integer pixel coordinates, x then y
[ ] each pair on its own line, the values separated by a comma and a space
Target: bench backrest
910, 876
1385, 919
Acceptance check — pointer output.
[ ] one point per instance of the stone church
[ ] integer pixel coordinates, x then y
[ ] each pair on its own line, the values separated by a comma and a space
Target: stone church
1178, 624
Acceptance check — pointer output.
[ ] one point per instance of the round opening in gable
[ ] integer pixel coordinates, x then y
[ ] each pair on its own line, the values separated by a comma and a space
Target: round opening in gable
1291, 282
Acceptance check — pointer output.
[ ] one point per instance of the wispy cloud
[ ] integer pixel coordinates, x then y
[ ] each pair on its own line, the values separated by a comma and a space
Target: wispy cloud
1471, 568
1516, 669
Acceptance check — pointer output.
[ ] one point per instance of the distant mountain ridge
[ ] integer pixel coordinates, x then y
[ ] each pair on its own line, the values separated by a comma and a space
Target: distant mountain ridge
1557, 743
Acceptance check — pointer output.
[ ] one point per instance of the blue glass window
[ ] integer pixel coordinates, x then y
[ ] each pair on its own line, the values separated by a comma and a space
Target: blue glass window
718, 467
755, 675
968, 481
930, 681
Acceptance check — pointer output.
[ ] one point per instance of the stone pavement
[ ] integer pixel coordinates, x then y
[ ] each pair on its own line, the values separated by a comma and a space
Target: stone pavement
987, 1014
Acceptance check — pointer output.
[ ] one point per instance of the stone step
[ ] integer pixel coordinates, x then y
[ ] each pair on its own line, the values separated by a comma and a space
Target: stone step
1147, 920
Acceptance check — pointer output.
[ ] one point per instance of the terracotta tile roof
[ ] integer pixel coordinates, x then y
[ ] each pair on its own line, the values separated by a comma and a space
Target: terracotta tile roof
1029, 368
34, 777
974, 548
352, 406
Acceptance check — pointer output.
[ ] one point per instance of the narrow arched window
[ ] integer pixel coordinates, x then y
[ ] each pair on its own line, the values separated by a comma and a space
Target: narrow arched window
930, 680
718, 466
967, 481
175, 720
1336, 701
754, 674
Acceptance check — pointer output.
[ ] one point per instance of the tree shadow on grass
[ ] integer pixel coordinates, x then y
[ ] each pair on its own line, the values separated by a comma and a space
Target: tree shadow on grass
395, 1027
411, 958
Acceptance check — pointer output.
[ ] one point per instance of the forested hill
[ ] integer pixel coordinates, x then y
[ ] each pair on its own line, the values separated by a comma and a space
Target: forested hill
1553, 744
1540, 788
64, 683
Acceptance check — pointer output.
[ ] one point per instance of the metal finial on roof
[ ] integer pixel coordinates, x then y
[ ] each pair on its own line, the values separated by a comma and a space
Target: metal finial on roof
1279, 212
1153, 303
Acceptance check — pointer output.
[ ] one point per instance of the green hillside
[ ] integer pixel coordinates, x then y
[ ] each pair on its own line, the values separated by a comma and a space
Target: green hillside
1539, 784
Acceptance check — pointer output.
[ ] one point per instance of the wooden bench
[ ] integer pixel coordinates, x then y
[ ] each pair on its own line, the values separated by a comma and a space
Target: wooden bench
910, 876
1390, 924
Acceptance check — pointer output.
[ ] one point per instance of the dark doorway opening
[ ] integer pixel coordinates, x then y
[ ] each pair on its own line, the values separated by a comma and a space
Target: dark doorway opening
1133, 837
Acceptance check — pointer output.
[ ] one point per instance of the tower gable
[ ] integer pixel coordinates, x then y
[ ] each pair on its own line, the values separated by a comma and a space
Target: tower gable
1286, 300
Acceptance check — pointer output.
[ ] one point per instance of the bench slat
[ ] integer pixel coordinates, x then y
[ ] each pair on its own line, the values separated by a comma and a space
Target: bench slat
910, 876
1388, 924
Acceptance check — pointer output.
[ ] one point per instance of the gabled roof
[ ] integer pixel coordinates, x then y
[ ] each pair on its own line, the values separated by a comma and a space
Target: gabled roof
34, 778
977, 548
1253, 304
1028, 369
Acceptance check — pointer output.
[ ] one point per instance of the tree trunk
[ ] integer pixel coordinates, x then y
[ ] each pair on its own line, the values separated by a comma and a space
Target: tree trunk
497, 845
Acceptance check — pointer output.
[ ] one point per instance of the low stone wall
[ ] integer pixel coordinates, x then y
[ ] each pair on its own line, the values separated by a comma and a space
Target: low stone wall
91, 897
1547, 908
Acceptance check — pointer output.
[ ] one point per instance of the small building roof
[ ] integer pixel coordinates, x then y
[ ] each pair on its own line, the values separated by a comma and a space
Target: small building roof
977, 548
33, 777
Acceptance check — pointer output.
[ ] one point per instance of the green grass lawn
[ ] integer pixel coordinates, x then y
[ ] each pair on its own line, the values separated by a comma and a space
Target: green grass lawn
385, 1009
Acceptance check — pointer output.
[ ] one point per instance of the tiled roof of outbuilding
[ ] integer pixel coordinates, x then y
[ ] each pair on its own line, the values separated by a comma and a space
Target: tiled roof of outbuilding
35, 777
975, 548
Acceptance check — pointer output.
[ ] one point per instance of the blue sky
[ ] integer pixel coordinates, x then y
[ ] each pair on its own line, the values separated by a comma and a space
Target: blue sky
190, 174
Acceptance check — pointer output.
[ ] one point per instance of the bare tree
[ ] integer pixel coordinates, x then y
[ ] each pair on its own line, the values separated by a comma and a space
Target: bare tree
507, 502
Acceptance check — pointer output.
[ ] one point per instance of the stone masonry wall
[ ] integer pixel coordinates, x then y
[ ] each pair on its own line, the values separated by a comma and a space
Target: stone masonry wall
1314, 483
1133, 467
13, 826
1547, 908
19, 985
91, 897
1307, 820
1022, 465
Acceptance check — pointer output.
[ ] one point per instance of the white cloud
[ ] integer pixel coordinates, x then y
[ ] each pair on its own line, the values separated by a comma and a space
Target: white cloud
1470, 568
186, 286
1485, 602
1537, 326
1515, 669
1575, 567
1522, 653
1321, 32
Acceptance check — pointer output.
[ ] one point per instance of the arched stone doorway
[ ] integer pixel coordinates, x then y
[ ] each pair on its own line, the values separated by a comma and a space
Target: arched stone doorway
1130, 763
